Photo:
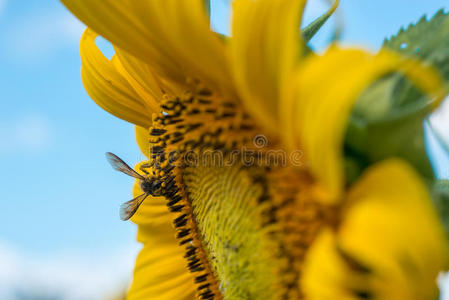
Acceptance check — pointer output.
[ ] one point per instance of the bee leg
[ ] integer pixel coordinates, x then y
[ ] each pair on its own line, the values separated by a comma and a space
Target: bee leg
145, 166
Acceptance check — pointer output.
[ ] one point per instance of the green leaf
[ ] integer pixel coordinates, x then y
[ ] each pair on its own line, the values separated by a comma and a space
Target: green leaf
428, 41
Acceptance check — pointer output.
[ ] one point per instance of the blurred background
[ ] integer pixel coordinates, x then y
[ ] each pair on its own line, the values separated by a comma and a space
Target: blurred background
60, 234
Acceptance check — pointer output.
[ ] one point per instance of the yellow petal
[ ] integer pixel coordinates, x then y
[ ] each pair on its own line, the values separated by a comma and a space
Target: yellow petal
143, 140
161, 270
410, 243
140, 77
392, 235
326, 276
327, 88
264, 48
172, 36
107, 87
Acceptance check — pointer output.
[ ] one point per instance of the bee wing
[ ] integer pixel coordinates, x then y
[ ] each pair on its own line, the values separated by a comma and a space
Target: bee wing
118, 164
129, 208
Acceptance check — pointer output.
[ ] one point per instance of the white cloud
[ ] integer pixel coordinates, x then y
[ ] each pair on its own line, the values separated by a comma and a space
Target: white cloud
29, 133
69, 276
2, 6
37, 36
80, 277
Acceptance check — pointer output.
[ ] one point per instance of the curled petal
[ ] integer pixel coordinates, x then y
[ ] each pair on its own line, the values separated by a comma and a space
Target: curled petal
141, 78
326, 89
172, 36
107, 87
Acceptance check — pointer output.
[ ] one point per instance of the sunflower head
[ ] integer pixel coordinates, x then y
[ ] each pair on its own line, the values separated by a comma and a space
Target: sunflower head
245, 139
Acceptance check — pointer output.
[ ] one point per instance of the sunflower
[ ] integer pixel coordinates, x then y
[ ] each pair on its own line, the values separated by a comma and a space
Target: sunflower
245, 135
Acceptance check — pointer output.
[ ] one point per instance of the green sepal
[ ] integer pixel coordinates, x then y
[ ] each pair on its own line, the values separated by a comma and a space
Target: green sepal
399, 136
310, 30
207, 6
379, 129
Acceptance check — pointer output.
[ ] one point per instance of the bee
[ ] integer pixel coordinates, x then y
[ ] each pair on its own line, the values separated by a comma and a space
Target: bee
149, 186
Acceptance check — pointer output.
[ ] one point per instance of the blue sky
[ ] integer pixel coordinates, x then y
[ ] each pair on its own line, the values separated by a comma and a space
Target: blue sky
58, 194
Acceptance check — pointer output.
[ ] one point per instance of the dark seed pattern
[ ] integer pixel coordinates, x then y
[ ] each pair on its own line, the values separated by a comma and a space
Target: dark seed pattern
185, 125
196, 123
